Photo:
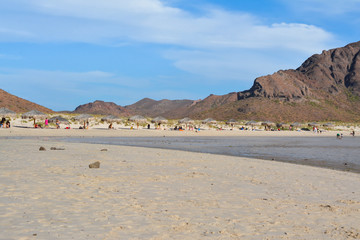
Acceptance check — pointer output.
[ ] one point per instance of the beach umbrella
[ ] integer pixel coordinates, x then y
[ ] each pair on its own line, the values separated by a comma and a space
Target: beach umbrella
314, 124
283, 125
252, 123
83, 117
61, 120
35, 114
231, 121
328, 125
295, 124
4, 112
159, 120
186, 120
268, 123
137, 118
111, 118
209, 121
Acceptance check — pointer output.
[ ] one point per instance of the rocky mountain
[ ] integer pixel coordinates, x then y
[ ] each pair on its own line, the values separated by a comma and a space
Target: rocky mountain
103, 108
19, 105
326, 87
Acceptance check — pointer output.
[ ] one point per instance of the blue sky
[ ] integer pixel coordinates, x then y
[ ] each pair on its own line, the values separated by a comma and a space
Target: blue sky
64, 53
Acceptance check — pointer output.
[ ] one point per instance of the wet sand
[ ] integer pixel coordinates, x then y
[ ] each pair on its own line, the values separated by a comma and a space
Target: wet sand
320, 151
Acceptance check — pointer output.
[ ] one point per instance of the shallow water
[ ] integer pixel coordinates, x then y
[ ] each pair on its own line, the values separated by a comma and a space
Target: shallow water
327, 152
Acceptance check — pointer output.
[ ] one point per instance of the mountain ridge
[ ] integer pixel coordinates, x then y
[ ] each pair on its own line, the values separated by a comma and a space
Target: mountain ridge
326, 87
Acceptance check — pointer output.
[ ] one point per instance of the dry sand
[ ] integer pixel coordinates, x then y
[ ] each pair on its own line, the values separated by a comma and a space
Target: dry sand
142, 193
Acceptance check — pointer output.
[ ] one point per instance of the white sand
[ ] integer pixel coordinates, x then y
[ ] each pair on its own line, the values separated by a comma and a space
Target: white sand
140, 193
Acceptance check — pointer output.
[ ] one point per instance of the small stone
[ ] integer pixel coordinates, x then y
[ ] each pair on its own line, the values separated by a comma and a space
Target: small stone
95, 165
55, 148
103, 150
42, 149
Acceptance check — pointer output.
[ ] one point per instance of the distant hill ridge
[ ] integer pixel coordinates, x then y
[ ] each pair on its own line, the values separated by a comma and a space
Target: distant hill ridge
104, 108
19, 105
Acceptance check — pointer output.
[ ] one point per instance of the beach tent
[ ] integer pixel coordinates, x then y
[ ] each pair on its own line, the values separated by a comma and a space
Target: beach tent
209, 121
159, 120
111, 118
4, 112
138, 118
61, 120
83, 117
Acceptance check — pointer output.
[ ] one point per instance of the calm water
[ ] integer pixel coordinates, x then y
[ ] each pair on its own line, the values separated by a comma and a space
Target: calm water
327, 152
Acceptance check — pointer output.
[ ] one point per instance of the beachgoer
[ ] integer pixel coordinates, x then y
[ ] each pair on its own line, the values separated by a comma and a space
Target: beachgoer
148, 126
46, 122
353, 133
87, 124
8, 124
110, 126
57, 124
3, 120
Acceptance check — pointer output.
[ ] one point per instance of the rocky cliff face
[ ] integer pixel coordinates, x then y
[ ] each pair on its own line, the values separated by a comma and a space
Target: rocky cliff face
284, 85
330, 72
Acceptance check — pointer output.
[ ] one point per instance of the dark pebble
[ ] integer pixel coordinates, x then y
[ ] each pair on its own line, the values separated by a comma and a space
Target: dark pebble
95, 165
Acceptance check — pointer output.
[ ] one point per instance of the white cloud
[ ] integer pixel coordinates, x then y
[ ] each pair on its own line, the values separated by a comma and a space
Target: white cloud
223, 46
151, 21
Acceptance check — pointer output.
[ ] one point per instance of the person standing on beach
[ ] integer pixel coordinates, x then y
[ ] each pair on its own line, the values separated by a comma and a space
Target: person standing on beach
46, 122
57, 124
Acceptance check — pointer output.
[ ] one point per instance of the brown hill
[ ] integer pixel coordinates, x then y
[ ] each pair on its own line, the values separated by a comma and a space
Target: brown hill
19, 105
325, 87
103, 108
167, 108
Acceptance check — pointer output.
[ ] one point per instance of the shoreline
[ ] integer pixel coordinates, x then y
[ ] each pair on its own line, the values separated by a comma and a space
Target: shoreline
304, 148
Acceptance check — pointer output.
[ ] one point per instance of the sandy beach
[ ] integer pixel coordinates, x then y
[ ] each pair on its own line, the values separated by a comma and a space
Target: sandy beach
146, 193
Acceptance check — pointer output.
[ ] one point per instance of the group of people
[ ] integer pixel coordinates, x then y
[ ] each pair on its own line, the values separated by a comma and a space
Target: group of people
4, 123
